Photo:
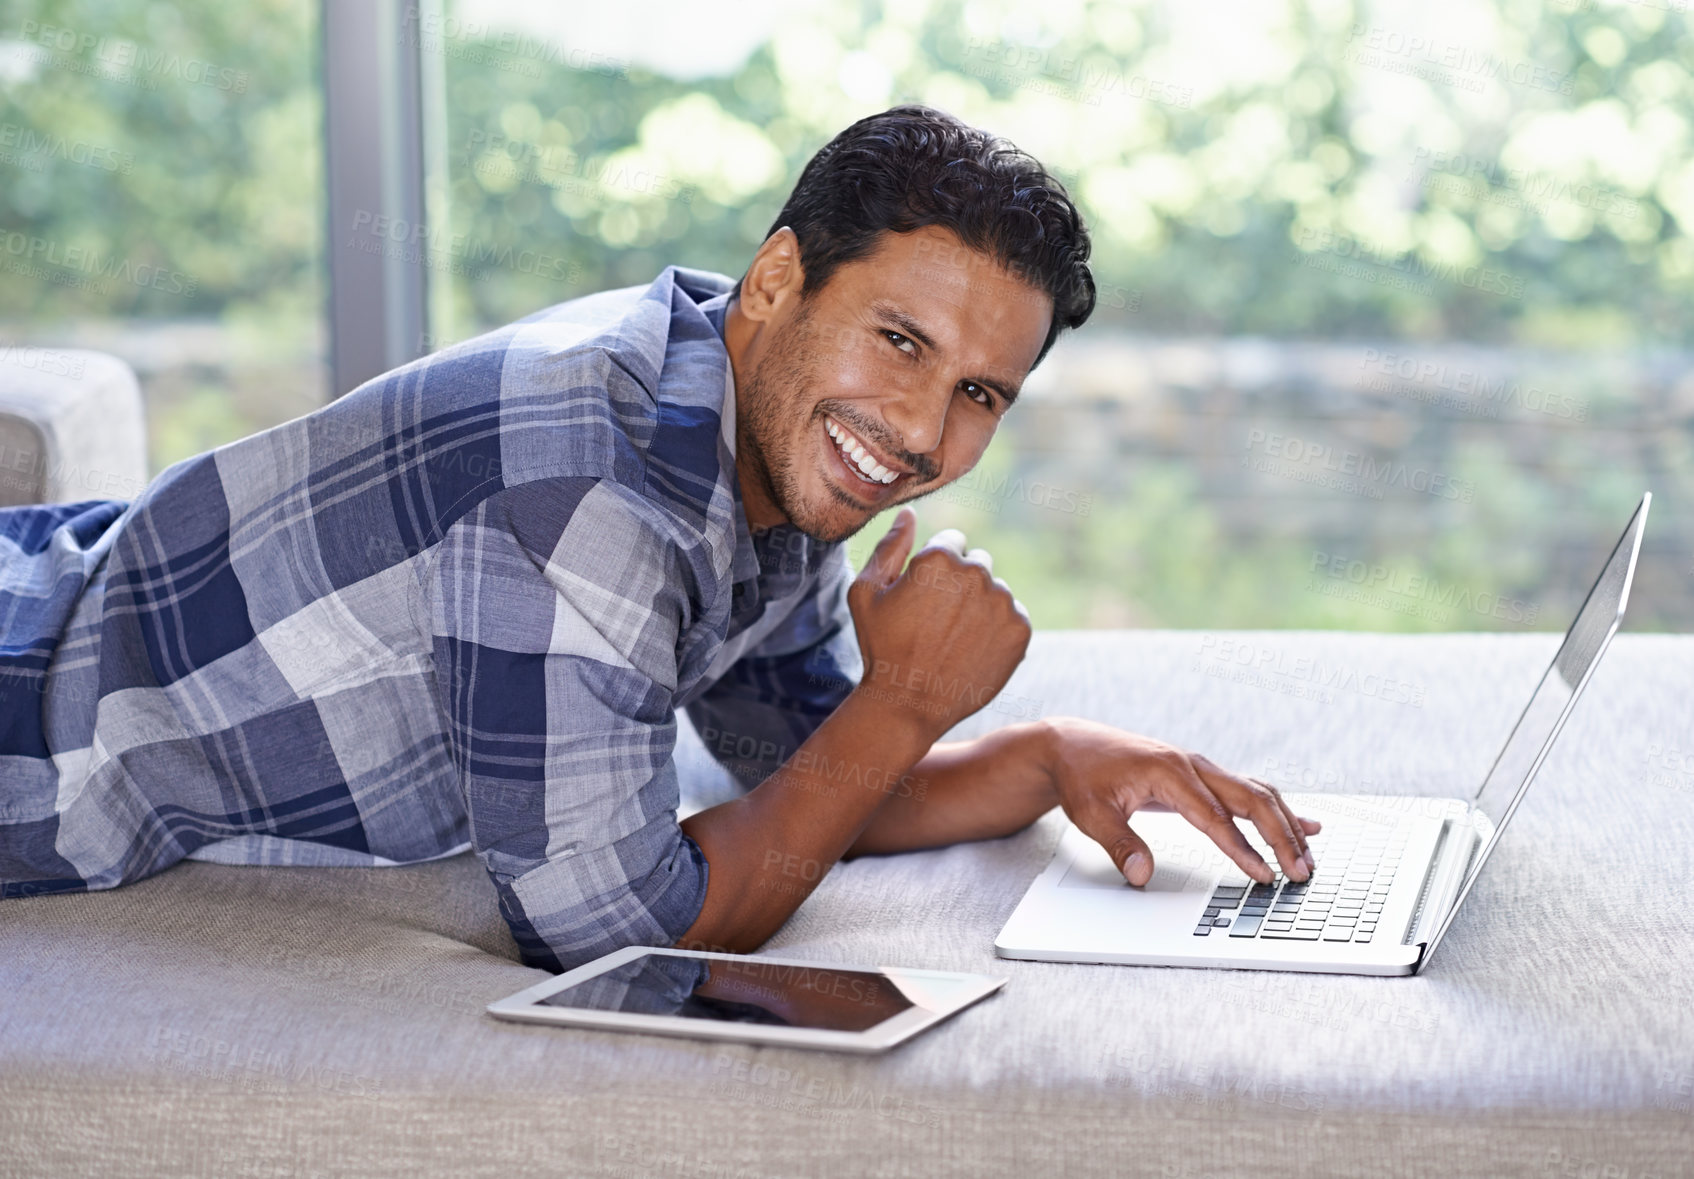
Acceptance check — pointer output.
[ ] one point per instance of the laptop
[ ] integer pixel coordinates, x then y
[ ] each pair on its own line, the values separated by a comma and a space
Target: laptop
1392, 871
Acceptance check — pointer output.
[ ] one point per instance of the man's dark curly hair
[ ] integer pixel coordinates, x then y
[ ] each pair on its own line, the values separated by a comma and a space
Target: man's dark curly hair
913, 166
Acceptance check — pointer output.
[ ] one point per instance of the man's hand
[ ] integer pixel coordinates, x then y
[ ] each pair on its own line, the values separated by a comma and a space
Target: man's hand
941, 639
1103, 775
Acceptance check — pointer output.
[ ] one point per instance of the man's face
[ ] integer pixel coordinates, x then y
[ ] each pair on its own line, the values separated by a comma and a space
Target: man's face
910, 356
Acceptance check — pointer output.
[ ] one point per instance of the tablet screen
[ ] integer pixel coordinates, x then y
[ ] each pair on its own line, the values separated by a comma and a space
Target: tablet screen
740, 991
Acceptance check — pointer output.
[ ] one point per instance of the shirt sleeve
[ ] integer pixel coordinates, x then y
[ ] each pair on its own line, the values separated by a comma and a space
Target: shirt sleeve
555, 612
760, 711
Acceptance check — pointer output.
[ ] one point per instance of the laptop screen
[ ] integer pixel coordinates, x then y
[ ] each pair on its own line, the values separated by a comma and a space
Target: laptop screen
1545, 714
1586, 638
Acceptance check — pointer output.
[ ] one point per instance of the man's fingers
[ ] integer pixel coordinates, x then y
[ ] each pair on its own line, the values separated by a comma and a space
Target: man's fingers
1023, 612
1301, 827
950, 539
1185, 793
981, 557
1260, 803
889, 556
1109, 828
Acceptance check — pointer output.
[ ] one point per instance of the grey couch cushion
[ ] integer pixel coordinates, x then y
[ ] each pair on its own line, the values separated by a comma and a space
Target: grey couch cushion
71, 427
23, 474
219, 1020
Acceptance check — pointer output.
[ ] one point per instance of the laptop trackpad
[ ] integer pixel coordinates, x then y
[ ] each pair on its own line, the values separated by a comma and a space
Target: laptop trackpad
1094, 869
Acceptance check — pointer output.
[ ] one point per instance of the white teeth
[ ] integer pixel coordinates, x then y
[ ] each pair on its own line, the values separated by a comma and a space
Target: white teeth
857, 456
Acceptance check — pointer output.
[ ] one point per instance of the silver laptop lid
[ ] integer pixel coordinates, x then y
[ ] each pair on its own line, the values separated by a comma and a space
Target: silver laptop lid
1526, 748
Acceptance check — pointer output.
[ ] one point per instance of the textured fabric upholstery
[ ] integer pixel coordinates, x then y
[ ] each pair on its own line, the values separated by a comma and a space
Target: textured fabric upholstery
147, 1031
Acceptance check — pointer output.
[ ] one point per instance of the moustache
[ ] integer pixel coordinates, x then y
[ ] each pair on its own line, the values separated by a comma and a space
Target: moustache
923, 469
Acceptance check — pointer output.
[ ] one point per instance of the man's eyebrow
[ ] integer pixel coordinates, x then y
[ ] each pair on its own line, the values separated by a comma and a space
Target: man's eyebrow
910, 327
907, 325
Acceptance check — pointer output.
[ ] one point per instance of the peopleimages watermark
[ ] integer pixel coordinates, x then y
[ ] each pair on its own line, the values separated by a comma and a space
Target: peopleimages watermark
807, 767
422, 244
1320, 464
1483, 178
23, 467
1447, 64
513, 51
1669, 766
33, 150
251, 1067
1560, 1164
1274, 669
504, 158
1048, 71
48, 362
1458, 387
1363, 271
116, 59
1333, 1009
361, 984
1675, 1091
985, 491
1402, 269
1287, 774
1415, 594
926, 688
847, 986
83, 267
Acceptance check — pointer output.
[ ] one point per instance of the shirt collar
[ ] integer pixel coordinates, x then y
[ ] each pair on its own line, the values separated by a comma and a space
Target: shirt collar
744, 565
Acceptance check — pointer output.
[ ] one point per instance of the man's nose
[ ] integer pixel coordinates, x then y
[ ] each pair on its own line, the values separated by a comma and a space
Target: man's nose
919, 416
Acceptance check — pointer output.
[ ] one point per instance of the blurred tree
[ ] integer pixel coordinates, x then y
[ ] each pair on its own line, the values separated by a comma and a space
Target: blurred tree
1507, 172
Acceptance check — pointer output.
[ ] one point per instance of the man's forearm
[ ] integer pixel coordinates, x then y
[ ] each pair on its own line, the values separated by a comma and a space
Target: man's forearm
769, 849
983, 788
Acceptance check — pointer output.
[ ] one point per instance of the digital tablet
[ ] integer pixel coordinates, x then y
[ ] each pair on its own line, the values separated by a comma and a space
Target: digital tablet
741, 997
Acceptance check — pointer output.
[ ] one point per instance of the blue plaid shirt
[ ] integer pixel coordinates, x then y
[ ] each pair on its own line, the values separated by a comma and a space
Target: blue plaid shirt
456, 608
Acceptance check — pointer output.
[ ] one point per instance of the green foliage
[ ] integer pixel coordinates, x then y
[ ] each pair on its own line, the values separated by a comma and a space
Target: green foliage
204, 122
1523, 178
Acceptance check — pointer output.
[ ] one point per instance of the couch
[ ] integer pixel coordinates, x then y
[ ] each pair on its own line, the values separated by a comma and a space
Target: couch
290, 1022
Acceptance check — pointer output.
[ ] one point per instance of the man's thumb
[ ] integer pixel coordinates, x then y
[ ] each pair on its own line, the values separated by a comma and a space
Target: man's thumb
889, 556
1105, 825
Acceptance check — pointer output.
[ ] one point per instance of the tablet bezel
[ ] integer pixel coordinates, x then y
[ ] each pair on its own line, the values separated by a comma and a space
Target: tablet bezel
524, 1007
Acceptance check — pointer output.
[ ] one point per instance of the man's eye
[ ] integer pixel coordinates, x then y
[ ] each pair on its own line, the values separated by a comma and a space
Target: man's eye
900, 342
972, 390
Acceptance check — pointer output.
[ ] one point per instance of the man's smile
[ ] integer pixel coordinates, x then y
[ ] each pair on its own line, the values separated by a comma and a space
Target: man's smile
871, 475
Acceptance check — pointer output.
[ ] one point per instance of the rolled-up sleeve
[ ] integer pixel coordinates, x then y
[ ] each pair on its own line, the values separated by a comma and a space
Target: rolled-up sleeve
766, 705
555, 609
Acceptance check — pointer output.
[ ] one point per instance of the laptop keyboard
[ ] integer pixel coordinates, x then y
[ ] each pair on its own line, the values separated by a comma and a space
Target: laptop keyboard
1340, 903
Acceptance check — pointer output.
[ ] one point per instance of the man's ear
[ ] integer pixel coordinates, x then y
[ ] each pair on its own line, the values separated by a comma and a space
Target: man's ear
774, 278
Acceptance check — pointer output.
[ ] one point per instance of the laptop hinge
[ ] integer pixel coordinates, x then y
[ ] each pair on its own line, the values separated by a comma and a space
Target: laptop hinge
1413, 926
1451, 870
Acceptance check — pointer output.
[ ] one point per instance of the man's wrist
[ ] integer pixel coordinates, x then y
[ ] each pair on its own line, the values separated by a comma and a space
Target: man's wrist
1042, 740
907, 719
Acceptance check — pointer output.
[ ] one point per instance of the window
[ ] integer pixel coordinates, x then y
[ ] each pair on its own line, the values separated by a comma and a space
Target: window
1392, 295
161, 199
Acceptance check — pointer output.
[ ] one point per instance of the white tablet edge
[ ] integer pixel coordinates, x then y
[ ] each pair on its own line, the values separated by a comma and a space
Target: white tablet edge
522, 1007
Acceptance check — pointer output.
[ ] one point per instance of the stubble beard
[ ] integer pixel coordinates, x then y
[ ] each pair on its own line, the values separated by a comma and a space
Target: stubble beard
777, 393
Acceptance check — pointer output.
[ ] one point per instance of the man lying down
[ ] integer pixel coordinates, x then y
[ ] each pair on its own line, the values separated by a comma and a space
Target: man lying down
459, 607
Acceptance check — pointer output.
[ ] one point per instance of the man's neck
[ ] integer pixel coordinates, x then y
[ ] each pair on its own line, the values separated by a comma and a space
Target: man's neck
757, 504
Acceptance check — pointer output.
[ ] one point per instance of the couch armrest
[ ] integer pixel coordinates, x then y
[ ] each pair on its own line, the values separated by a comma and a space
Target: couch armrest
71, 427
